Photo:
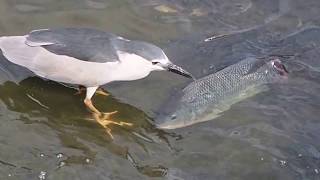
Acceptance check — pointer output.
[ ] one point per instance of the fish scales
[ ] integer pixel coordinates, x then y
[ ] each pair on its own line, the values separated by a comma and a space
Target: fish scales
206, 98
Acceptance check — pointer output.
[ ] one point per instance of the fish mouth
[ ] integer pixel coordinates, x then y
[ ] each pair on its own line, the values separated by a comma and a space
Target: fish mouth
171, 122
167, 122
168, 125
179, 70
280, 67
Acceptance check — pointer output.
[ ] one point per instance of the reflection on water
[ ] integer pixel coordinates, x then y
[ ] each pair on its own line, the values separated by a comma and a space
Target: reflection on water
46, 132
50, 109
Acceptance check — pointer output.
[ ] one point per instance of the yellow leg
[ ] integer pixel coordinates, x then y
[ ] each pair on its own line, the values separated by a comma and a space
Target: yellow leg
107, 120
104, 119
89, 104
102, 92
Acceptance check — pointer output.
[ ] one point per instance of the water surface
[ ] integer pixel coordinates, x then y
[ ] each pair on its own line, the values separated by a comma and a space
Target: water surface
46, 132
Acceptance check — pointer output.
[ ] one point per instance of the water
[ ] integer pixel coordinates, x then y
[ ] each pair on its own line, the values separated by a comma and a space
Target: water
273, 135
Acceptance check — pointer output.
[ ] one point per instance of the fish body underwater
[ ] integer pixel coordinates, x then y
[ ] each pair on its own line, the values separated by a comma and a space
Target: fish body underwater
206, 98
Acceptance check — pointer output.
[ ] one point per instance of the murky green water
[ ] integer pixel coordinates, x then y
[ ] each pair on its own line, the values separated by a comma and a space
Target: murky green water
46, 132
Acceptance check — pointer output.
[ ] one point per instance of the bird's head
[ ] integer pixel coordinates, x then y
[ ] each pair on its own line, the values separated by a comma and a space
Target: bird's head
155, 56
166, 64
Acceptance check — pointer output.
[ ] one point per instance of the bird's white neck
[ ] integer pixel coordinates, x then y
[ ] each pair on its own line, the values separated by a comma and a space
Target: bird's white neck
131, 67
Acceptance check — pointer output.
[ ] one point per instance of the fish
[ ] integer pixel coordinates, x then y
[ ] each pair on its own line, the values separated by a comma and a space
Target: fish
206, 98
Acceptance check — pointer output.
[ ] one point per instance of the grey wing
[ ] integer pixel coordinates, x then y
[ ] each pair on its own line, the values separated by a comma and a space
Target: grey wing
146, 50
81, 43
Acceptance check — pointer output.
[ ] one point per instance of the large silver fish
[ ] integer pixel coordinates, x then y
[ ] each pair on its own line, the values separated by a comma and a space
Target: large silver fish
205, 98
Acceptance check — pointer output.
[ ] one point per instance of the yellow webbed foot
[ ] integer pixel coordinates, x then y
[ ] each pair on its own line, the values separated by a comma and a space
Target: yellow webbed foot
105, 119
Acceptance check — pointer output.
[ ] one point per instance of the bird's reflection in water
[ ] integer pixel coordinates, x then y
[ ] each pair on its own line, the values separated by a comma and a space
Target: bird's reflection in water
53, 105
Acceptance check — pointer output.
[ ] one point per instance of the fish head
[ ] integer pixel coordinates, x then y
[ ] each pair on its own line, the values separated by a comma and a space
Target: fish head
178, 117
274, 70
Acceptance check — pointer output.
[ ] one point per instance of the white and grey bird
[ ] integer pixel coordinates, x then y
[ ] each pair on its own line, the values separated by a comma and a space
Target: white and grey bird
86, 57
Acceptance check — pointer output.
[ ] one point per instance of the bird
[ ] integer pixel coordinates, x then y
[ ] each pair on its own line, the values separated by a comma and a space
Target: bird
88, 58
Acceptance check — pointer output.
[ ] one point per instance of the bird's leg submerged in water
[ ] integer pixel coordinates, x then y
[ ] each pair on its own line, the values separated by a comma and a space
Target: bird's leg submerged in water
102, 92
104, 119
99, 91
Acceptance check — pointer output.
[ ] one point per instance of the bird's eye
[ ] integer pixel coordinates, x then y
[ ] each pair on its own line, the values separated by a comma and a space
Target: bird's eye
154, 63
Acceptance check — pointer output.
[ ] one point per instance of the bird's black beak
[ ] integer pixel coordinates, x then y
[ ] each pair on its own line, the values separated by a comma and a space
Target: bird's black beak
178, 70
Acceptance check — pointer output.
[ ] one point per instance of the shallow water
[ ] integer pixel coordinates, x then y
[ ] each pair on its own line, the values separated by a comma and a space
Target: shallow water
46, 132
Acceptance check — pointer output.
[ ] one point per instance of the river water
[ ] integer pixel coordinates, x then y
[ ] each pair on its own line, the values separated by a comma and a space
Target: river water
46, 132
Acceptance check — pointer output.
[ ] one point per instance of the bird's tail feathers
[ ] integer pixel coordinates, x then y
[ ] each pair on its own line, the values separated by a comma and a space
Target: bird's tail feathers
16, 51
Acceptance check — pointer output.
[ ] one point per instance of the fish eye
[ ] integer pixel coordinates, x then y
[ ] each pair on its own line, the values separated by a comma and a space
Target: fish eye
173, 116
